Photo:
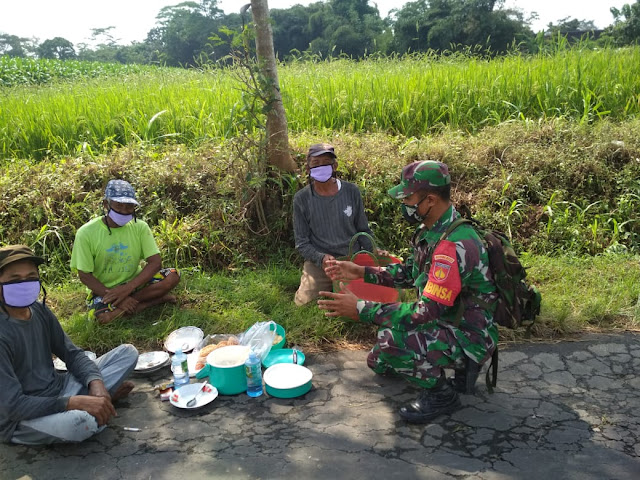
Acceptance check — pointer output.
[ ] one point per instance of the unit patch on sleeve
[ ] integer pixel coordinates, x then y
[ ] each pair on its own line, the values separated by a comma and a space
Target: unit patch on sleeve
444, 283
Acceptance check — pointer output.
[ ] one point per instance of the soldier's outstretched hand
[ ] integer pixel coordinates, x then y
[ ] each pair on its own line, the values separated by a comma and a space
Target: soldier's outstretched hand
340, 270
342, 304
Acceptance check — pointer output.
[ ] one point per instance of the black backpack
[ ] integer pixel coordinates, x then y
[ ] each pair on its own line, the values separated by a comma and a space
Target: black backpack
518, 303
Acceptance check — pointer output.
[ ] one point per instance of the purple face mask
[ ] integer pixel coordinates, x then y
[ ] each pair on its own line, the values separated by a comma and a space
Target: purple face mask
20, 294
119, 218
321, 174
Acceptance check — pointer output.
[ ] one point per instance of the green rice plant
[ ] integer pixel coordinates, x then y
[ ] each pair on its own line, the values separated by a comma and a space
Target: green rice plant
413, 95
28, 71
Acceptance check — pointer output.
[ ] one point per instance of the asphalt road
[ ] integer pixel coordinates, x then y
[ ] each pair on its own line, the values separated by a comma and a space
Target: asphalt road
568, 410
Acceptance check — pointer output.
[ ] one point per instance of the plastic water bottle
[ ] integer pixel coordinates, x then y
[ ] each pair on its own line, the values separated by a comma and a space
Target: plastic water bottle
253, 370
180, 369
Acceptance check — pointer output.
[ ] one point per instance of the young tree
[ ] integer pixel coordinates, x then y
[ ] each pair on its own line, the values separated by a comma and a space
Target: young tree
57, 48
444, 24
626, 29
568, 24
15, 46
277, 134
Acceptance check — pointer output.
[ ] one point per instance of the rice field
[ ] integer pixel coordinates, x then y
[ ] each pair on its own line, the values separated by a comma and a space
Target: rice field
27, 71
410, 96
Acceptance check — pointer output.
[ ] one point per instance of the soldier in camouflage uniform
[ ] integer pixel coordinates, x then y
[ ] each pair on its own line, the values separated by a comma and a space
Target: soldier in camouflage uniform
445, 325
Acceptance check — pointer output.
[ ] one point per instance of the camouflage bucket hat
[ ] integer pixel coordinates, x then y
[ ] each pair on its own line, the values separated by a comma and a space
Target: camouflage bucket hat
15, 253
419, 175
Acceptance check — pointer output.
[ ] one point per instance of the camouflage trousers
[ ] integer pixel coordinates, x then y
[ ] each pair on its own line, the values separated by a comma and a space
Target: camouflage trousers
419, 356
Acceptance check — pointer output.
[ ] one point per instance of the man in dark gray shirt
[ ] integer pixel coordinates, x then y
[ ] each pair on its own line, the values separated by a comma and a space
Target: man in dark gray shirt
327, 213
37, 404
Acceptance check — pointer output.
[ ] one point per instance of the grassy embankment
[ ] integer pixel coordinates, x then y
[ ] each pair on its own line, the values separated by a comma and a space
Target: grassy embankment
566, 186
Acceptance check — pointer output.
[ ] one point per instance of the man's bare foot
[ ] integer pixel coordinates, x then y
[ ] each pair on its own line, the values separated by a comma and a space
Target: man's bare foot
168, 298
109, 317
123, 391
156, 301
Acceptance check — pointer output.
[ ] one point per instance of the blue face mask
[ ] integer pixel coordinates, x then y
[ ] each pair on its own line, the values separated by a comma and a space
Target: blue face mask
21, 293
321, 174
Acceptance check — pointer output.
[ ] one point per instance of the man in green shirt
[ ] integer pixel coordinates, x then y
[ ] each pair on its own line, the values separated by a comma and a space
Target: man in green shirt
107, 254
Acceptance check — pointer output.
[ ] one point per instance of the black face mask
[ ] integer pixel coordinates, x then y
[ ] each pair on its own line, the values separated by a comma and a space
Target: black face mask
410, 213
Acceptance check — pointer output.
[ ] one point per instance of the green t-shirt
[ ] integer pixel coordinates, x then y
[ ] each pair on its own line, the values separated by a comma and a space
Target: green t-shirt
113, 258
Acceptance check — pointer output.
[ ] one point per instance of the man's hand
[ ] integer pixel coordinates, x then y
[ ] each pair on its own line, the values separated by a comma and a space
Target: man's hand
117, 295
100, 407
342, 304
339, 270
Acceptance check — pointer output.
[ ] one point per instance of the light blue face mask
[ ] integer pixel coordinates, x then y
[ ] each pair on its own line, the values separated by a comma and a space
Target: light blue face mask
321, 174
21, 293
120, 219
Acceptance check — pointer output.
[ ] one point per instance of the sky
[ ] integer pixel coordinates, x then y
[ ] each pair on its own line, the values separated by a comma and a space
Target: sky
132, 19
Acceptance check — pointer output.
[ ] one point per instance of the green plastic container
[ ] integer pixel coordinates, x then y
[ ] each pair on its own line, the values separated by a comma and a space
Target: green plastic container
279, 331
287, 380
282, 355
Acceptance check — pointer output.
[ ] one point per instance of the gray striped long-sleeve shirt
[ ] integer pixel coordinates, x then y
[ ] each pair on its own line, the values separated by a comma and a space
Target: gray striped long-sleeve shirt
29, 385
325, 225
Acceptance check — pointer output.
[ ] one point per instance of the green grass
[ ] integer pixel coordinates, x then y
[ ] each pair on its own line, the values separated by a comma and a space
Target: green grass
578, 294
587, 292
216, 303
411, 96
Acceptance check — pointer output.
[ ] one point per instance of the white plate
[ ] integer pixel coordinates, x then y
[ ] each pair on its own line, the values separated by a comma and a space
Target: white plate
151, 361
62, 367
182, 395
186, 338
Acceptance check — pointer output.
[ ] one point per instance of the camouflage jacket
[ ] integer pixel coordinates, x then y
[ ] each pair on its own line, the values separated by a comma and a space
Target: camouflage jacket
457, 271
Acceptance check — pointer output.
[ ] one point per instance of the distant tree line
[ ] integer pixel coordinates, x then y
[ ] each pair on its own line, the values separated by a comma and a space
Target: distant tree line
185, 33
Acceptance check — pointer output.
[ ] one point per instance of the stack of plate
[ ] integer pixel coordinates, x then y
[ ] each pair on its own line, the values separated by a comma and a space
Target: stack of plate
62, 367
151, 361
185, 338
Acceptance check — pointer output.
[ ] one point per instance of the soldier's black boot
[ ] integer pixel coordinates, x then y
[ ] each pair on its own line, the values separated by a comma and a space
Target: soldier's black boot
464, 380
431, 403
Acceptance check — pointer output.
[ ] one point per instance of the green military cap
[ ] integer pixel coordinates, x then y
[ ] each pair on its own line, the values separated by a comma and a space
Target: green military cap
15, 253
419, 175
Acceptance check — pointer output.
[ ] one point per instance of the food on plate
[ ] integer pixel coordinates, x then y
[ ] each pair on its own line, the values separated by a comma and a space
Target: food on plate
277, 340
206, 350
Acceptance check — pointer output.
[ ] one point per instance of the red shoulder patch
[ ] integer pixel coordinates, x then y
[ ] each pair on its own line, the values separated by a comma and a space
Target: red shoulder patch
444, 283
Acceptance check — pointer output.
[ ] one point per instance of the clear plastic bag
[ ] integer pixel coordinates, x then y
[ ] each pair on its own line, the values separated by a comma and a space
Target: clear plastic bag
259, 337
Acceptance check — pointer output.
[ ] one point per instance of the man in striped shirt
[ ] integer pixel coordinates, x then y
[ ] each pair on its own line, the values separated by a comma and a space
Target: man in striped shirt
327, 213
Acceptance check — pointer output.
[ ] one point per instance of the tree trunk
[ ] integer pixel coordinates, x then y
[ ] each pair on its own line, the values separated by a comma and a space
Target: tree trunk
277, 135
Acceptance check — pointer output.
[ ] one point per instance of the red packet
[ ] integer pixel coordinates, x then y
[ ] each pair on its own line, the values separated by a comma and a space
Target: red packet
165, 395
